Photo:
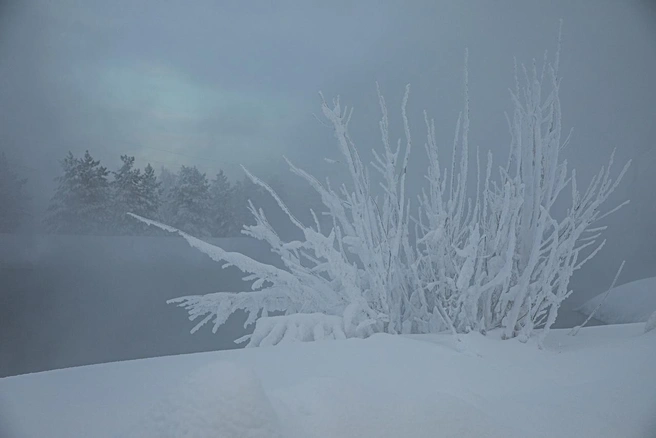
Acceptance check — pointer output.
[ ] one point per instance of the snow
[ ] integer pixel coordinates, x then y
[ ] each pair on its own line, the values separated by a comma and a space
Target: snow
651, 323
221, 399
627, 303
599, 383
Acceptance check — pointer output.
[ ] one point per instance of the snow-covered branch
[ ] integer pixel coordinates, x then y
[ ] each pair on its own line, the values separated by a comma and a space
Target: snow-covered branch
500, 258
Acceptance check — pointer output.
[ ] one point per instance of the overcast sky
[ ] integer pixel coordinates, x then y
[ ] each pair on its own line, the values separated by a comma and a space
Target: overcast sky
218, 84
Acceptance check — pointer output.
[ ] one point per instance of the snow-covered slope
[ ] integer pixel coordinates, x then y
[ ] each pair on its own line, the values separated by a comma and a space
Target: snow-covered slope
630, 302
600, 383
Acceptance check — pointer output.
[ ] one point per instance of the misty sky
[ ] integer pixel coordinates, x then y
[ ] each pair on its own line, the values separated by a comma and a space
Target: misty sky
218, 84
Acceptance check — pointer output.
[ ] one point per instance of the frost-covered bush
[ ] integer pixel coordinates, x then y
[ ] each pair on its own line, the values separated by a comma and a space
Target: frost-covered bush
503, 259
357, 271
497, 259
301, 327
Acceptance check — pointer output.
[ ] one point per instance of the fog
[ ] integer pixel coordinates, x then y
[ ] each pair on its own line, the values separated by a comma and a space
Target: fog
219, 85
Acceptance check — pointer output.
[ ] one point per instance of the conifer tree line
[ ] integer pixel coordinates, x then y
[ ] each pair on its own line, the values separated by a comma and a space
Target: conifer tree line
91, 199
14, 200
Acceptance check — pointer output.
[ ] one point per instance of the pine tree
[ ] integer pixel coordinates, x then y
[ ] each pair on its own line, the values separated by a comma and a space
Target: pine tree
167, 180
126, 196
13, 199
81, 203
133, 192
222, 198
149, 192
190, 202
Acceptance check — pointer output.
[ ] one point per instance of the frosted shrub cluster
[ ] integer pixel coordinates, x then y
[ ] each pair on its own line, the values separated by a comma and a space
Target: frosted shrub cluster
497, 259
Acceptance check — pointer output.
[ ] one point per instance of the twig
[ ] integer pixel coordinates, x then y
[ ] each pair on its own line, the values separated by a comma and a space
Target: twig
576, 329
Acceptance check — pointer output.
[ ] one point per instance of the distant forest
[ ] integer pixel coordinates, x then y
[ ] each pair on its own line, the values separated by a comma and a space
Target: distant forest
90, 199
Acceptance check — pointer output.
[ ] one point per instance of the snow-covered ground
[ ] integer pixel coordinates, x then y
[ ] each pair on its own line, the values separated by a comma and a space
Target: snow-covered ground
627, 303
601, 383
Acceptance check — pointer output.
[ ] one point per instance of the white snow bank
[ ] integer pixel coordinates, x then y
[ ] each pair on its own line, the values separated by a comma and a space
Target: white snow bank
628, 303
599, 383
218, 400
337, 407
651, 323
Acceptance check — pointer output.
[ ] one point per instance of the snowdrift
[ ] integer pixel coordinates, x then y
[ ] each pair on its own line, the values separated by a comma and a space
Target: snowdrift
600, 383
628, 303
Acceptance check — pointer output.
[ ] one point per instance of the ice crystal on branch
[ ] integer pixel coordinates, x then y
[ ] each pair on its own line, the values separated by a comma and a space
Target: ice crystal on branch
498, 259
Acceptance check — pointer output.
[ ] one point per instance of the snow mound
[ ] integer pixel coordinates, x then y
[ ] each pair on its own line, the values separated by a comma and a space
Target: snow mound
335, 407
629, 303
651, 323
218, 400
599, 384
